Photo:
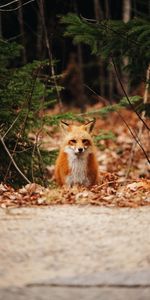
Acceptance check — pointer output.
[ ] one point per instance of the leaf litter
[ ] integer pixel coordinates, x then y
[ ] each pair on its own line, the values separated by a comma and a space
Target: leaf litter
115, 188
111, 193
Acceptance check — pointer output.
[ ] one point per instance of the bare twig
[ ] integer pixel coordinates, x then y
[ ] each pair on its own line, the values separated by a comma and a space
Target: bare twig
25, 120
41, 8
13, 161
36, 149
104, 100
128, 99
141, 124
114, 181
41, 166
9, 3
14, 37
16, 8
11, 126
134, 135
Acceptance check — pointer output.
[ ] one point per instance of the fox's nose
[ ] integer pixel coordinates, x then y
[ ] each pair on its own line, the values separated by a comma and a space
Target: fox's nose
80, 150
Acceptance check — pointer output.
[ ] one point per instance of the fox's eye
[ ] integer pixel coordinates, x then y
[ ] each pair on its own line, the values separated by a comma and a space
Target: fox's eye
73, 141
86, 142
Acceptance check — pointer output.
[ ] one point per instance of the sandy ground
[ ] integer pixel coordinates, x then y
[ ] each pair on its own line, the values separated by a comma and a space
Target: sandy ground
78, 252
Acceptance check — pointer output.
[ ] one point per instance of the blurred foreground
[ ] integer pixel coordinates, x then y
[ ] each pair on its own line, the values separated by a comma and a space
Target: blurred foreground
64, 252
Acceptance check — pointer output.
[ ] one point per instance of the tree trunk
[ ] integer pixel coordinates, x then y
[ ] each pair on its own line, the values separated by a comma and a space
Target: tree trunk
126, 14
111, 83
81, 101
40, 32
99, 15
110, 72
1, 34
98, 10
21, 25
126, 10
107, 10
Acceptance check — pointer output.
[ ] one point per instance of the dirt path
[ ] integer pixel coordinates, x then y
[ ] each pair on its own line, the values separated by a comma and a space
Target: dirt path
71, 251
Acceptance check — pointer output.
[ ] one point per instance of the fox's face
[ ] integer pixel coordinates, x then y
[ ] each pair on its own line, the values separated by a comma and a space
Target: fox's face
77, 139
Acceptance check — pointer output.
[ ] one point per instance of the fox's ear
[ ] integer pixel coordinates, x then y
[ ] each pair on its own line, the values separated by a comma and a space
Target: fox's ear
64, 126
90, 125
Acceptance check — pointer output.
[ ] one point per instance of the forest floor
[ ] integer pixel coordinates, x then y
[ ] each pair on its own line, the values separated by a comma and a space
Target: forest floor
123, 167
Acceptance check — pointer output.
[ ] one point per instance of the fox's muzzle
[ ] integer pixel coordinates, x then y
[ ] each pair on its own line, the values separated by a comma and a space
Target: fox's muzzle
79, 150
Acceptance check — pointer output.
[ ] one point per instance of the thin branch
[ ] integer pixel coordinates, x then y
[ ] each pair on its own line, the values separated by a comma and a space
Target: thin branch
29, 99
4, 5
135, 137
104, 100
14, 37
32, 163
49, 52
13, 161
11, 126
24, 150
113, 181
41, 165
131, 132
25, 119
128, 99
36, 149
16, 8
141, 124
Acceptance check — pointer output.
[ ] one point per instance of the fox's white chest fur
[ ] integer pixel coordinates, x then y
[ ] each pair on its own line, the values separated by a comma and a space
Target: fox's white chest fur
78, 167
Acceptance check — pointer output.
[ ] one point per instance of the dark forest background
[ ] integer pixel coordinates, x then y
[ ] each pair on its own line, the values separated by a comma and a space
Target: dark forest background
25, 25
49, 59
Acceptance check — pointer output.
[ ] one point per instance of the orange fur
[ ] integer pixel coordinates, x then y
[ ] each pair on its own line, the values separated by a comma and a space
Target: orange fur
62, 168
92, 169
73, 166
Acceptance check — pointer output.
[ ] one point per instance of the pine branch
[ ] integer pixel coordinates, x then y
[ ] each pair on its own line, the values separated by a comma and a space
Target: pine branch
113, 37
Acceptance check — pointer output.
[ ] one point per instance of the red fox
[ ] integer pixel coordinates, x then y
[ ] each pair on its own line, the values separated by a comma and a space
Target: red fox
76, 162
